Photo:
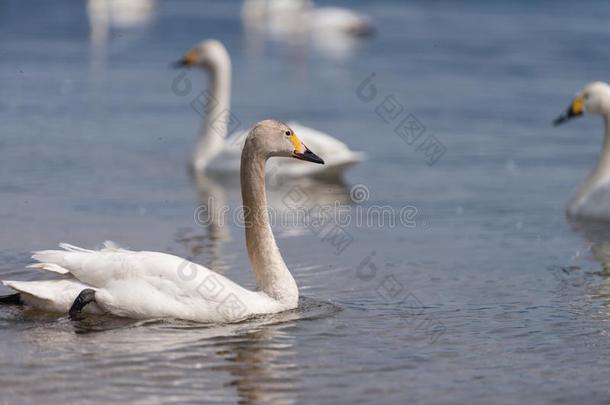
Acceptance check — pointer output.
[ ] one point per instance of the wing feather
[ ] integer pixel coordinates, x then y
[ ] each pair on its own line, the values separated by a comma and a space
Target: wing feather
51, 295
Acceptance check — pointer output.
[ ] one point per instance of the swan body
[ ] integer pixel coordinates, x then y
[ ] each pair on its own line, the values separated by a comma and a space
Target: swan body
342, 20
219, 154
592, 198
146, 284
139, 285
338, 157
289, 18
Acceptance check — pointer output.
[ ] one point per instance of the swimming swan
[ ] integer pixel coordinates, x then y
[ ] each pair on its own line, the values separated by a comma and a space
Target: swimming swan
158, 285
287, 18
592, 198
217, 154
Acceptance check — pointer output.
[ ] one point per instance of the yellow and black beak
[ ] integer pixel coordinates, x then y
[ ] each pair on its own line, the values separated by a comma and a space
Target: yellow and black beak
302, 152
187, 60
574, 110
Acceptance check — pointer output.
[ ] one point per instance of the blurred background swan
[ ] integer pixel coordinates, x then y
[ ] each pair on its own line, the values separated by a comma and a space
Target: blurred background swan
105, 15
303, 16
592, 198
334, 31
219, 154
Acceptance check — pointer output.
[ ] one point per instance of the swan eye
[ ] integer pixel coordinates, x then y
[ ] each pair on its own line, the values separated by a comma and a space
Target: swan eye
287, 133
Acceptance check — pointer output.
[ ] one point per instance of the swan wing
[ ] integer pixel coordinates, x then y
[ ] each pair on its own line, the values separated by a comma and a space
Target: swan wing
51, 295
141, 284
341, 20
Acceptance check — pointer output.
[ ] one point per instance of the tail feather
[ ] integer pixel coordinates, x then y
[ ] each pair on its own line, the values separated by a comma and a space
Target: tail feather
60, 261
52, 267
113, 247
58, 295
72, 248
34, 288
50, 295
71, 259
51, 256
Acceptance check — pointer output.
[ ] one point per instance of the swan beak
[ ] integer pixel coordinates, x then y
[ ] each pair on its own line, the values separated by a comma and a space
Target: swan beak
574, 110
308, 156
188, 60
302, 152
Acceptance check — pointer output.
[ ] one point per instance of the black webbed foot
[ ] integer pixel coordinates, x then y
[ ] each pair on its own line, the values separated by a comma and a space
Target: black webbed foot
85, 297
13, 299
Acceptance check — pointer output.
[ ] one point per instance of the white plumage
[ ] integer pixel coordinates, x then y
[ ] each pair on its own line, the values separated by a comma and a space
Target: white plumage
289, 18
139, 284
592, 198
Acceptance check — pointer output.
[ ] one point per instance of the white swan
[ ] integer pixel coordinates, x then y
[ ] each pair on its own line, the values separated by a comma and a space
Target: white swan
287, 18
157, 285
592, 198
218, 154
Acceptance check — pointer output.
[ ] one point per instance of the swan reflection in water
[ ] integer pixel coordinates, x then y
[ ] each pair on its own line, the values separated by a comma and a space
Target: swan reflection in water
595, 283
185, 360
597, 236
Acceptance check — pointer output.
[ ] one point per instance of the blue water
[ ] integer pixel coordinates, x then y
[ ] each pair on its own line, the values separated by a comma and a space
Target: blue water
490, 296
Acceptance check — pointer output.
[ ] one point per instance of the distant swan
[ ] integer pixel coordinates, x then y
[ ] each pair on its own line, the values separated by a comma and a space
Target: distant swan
158, 285
217, 154
298, 17
592, 199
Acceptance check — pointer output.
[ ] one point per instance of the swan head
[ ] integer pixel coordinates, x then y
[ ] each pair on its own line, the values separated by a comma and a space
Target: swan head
207, 54
594, 98
274, 138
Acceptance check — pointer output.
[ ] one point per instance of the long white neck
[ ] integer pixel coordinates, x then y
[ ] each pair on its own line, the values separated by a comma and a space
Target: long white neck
272, 275
600, 173
216, 102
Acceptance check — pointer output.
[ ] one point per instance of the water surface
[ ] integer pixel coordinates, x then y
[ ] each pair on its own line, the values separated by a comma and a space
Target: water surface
492, 296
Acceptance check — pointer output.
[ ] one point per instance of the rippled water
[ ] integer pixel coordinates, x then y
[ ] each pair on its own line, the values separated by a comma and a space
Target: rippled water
491, 296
